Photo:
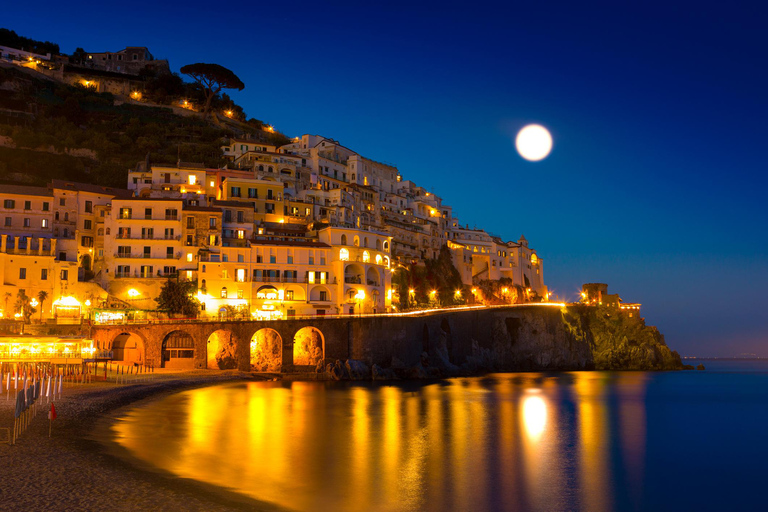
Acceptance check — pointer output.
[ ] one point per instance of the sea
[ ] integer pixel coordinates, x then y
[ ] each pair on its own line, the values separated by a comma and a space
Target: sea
592, 441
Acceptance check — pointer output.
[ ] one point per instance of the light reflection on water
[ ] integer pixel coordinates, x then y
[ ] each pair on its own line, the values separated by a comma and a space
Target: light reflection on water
501, 442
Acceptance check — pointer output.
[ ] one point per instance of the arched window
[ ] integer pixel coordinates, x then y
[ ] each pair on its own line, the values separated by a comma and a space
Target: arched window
270, 169
343, 239
366, 256
261, 168
365, 241
378, 244
202, 286
386, 245
107, 230
378, 259
344, 255
357, 241
223, 293
101, 232
386, 261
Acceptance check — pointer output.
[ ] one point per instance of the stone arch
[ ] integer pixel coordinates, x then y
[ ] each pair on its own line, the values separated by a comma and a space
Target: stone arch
145, 193
372, 277
297, 290
221, 349
378, 244
308, 346
343, 239
85, 262
128, 347
316, 295
267, 292
178, 351
353, 274
266, 351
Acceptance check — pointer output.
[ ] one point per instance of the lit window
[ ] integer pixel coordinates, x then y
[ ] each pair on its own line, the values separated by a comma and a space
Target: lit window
223, 293
240, 275
366, 257
344, 255
378, 259
192, 179
189, 256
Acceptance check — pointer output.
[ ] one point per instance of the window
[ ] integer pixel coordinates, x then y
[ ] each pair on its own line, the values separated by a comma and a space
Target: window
224, 274
125, 213
86, 241
147, 213
27, 205
290, 259
344, 255
8, 221
124, 251
147, 252
43, 274
323, 295
190, 256
240, 216
169, 233
89, 207
65, 275
22, 273
258, 259
169, 253
62, 256
223, 293
63, 202
56, 216
240, 234
253, 193
87, 224
273, 259
311, 260
289, 295
146, 271
147, 233
190, 222
240, 258
46, 206
9, 203
169, 271
171, 213
240, 276
227, 216
269, 194
239, 294
343, 239
123, 232
234, 191
26, 222
212, 223
190, 240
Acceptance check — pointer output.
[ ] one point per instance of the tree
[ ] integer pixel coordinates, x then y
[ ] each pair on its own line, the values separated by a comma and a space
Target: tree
42, 295
212, 78
8, 296
23, 306
176, 297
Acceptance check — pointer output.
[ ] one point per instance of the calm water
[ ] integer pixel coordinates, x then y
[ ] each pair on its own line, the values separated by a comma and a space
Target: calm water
569, 441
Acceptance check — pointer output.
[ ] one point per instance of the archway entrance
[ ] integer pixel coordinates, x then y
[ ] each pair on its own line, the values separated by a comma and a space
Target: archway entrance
128, 348
308, 347
222, 353
266, 351
178, 351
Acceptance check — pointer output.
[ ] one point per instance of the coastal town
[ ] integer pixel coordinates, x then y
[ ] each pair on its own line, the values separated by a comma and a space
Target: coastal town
307, 228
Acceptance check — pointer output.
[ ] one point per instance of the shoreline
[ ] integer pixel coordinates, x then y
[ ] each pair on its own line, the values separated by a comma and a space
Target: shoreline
79, 468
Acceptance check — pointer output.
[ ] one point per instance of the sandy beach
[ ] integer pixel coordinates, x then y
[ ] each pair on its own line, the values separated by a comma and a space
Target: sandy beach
73, 471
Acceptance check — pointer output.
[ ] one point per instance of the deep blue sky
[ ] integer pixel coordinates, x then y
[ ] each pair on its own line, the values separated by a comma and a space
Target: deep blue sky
659, 113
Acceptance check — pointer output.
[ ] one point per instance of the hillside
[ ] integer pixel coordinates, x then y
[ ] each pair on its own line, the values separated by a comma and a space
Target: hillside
49, 129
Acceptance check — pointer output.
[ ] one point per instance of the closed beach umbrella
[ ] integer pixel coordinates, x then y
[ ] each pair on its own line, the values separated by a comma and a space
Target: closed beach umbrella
19, 404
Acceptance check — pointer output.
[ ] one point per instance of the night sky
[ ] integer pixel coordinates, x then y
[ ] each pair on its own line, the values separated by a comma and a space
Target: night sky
659, 114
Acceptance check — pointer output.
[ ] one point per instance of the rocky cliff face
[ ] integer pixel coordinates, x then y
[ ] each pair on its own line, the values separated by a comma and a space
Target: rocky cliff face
618, 341
573, 338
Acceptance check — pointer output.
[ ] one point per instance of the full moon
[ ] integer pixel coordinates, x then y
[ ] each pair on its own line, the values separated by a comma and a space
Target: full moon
533, 142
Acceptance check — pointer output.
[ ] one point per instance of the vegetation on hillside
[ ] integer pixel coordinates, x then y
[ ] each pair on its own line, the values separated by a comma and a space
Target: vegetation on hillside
46, 120
618, 341
11, 39
438, 275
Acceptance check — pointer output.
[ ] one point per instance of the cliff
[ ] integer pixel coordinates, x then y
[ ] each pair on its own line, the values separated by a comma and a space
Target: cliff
548, 339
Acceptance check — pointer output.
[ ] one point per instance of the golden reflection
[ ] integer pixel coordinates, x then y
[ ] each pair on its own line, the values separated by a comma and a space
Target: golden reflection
511, 441
534, 416
593, 432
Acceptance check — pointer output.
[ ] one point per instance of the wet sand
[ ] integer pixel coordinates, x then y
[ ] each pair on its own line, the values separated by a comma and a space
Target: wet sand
78, 469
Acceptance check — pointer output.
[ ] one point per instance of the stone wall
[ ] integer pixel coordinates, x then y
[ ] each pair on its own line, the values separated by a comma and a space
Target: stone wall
515, 338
